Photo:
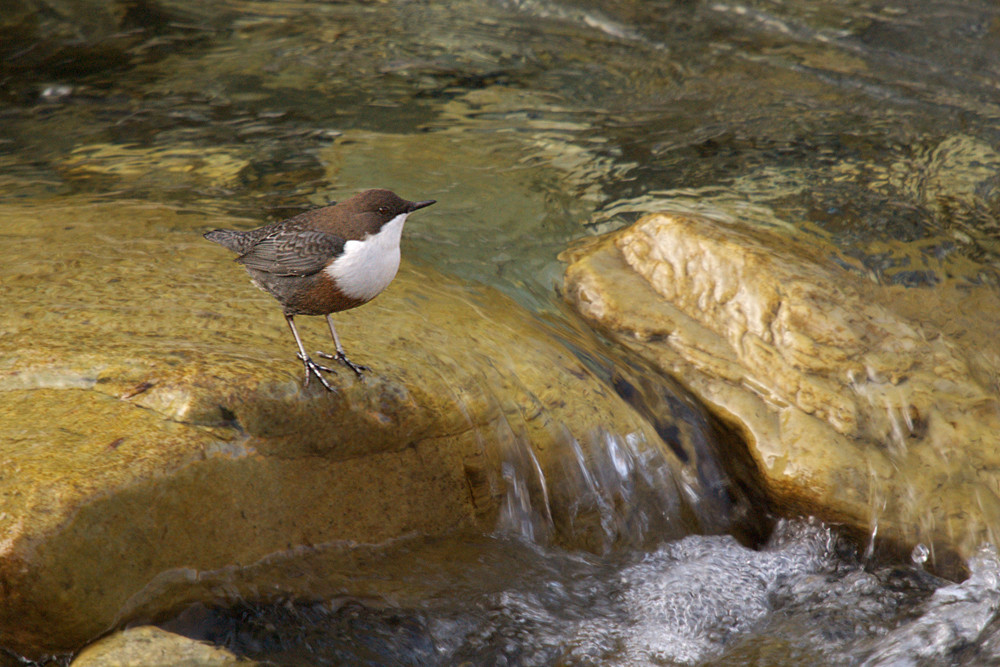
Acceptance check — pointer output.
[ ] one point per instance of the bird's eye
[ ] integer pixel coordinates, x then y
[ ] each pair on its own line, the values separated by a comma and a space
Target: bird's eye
383, 209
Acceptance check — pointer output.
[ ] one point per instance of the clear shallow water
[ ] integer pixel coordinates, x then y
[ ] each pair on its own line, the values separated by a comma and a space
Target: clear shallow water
872, 126
875, 124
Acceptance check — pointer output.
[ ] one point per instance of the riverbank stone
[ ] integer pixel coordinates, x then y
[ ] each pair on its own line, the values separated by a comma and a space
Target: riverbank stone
869, 406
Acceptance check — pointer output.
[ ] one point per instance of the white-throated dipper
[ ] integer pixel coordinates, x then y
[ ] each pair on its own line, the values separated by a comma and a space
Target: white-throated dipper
325, 260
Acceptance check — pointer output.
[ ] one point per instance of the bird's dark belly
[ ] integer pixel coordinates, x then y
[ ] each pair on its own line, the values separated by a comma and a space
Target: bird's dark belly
305, 295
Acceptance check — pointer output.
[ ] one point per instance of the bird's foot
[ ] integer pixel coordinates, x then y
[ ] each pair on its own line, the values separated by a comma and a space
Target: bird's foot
312, 368
342, 358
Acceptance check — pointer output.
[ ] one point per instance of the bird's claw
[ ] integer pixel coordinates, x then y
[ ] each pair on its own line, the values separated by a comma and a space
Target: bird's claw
312, 368
342, 358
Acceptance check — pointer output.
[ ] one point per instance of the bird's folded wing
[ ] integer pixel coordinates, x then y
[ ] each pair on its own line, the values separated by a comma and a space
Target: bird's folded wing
288, 253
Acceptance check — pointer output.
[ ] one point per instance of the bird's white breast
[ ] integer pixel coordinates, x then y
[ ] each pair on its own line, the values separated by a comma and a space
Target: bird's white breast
368, 266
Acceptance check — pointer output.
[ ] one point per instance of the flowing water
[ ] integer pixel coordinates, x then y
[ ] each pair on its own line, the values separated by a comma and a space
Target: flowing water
874, 126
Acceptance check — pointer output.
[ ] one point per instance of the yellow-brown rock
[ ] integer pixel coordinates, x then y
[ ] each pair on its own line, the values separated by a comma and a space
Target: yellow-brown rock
871, 406
154, 426
149, 646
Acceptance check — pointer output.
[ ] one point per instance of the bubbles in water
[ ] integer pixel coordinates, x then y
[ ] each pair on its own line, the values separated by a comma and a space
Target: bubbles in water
688, 599
920, 554
984, 567
56, 92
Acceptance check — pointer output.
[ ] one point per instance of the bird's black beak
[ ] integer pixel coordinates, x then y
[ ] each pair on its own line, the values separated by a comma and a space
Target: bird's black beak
421, 204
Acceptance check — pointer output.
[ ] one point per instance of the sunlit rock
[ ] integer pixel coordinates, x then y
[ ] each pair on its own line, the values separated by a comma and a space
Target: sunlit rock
148, 646
157, 445
871, 406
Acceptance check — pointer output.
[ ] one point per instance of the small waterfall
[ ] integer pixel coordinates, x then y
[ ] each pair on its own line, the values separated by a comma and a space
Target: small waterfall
604, 491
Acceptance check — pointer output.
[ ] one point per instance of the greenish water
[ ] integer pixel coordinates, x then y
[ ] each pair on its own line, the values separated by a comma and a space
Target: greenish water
537, 121
874, 126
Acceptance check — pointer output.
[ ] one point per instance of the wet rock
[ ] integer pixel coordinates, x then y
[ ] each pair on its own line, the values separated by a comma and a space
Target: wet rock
148, 646
157, 445
875, 407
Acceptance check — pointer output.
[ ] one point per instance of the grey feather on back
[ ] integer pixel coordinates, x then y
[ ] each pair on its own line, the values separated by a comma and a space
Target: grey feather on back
292, 252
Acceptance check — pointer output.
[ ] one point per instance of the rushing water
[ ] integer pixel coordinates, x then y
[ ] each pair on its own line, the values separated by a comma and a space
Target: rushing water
534, 122
800, 600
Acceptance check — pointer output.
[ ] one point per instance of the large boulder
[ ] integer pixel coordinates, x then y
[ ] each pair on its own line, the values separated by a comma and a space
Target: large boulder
869, 406
158, 447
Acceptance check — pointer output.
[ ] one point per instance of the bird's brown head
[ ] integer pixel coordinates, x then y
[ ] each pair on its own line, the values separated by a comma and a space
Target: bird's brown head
374, 208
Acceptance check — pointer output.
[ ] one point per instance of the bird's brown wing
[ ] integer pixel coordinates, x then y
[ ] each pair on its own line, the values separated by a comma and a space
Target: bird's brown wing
293, 253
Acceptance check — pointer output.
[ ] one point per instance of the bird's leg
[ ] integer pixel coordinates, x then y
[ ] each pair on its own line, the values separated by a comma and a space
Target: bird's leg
312, 368
340, 356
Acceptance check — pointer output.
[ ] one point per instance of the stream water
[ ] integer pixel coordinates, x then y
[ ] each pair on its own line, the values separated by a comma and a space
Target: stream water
873, 125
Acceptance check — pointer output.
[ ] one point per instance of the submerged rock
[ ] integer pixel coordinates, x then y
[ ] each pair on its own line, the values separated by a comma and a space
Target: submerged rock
870, 406
43, 39
157, 445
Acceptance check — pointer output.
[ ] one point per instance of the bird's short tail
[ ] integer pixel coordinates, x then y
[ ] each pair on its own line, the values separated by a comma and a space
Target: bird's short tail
227, 238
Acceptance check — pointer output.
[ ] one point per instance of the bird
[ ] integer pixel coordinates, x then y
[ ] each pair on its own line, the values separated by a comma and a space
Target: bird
325, 260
